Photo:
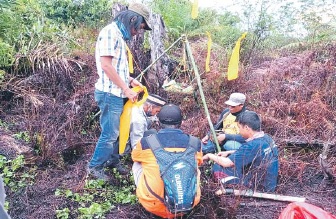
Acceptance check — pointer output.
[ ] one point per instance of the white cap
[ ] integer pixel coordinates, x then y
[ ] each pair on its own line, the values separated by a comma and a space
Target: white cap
236, 99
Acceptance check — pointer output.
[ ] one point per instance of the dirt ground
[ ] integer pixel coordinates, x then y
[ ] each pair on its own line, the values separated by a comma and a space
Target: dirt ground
293, 94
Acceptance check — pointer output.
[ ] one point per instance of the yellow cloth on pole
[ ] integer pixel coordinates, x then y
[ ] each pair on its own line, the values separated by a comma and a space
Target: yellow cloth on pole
194, 10
130, 60
125, 118
207, 61
234, 60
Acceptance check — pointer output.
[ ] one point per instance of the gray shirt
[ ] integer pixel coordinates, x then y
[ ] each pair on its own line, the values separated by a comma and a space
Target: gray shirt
3, 213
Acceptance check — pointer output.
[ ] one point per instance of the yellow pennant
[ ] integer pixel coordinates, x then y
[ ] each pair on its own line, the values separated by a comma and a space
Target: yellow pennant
234, 60
194, 10
130, 60
207, 61
125, 118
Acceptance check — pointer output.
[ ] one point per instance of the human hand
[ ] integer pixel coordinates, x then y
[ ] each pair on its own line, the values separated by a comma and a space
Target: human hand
206, 157
134, 82
222, 154
225, 153
221, 137
205, 139
131, 95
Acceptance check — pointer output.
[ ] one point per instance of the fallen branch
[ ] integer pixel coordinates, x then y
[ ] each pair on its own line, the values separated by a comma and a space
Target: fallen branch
250, 193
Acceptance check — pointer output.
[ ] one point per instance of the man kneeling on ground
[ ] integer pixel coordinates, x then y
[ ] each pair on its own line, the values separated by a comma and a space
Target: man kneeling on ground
147, 172
254, 164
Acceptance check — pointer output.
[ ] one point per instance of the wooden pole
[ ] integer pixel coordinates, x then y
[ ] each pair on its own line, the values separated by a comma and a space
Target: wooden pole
251, 193
201, 93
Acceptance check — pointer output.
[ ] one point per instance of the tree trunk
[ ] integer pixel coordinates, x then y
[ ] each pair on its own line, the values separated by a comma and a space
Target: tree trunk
159, 72
154, 77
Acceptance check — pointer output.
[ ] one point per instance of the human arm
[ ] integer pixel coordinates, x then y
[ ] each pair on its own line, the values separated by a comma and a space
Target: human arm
112, 74
218, 125
221, 160
235, 137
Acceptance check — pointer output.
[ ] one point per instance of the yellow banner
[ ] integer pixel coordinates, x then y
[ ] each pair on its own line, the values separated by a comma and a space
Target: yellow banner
234, 60
126, 116
130, 60
207, 61
194, 10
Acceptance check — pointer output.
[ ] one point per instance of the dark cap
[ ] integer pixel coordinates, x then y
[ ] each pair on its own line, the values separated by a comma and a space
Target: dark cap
156, 100
170, 114
143, 11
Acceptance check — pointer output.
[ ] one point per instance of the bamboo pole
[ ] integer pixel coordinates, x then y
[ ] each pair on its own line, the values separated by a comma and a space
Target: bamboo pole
251, 193
201, 92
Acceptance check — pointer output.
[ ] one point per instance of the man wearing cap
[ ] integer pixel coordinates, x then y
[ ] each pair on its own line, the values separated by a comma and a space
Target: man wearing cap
113, 85
255, 164
228, 137
147, 178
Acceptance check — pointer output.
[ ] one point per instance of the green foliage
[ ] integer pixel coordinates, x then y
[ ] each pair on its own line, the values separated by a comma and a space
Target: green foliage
2, 123
177, 17
11, 175
63, 213
93, 13
22, 136
97, 198
6, 56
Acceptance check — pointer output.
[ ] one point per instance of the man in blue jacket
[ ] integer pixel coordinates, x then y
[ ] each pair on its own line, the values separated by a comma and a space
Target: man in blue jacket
228, 135
255, 164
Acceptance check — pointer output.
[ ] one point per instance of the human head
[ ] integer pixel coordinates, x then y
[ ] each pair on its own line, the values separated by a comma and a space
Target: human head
143, 11
153, 104
249, 121
130, 22
236, 102
170, 116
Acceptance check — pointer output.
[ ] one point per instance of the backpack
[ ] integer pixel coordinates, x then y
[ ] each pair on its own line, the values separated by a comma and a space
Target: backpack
179, 175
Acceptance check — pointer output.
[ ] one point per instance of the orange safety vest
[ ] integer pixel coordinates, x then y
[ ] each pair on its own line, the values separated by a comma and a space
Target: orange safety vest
151, 172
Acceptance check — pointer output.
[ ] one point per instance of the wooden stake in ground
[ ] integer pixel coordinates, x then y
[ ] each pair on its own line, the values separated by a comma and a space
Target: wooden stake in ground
250, 193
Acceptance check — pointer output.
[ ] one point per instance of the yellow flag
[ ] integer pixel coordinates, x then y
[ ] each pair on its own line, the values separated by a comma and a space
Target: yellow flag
207, 61
194, 10
125, 118
234, 60
130, 60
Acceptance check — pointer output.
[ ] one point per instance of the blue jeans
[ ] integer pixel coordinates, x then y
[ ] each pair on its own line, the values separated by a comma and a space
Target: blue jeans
231, 145
107, 147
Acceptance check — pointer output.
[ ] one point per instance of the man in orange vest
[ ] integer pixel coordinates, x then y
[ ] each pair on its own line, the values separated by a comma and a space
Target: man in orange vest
150, 187
228, 136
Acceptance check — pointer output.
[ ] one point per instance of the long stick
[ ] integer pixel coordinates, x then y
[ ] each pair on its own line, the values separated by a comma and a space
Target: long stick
201, 92
164, 52
250, 193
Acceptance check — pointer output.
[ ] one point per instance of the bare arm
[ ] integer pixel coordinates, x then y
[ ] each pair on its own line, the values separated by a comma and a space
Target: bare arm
110, 71
221, 160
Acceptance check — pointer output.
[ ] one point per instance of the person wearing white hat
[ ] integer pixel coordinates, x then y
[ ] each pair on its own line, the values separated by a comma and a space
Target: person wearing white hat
228, 132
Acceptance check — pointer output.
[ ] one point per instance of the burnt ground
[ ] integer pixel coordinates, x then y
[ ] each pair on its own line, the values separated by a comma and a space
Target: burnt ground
293, 93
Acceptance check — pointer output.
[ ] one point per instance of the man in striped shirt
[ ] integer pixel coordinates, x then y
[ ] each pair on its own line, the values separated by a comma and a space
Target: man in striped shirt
112, 88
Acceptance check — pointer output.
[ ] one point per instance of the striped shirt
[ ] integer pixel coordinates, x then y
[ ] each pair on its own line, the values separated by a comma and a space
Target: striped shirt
111, 43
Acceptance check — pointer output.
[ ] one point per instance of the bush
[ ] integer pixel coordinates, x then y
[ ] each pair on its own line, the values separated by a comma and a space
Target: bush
91, 13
